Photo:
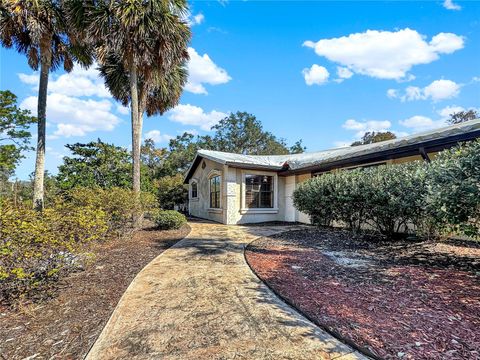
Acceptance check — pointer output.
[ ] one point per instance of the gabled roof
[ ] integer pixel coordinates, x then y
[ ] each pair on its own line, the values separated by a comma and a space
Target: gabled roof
297, 162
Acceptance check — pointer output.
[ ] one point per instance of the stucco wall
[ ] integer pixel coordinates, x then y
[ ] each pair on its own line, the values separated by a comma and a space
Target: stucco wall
200, 207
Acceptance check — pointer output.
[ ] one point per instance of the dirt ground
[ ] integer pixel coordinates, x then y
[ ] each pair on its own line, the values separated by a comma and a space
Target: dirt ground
402, 300
67, 325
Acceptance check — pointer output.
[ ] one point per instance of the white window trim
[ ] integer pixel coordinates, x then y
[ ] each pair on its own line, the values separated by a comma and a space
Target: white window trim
193, 180
212, 174
244, 209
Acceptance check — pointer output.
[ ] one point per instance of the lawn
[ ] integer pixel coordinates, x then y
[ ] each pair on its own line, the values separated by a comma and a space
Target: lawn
67, 324
404, 299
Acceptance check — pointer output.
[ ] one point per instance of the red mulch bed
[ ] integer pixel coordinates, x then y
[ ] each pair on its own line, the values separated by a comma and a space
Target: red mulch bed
67, 324
404, 299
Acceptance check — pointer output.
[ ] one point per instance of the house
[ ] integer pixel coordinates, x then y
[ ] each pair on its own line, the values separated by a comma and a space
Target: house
237, 189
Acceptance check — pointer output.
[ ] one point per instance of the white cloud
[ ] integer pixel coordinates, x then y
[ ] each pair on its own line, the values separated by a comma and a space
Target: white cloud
341, 144
194, 115
438, 90
449, 110
124, 110
316, 74
450, 5
202, 70
422, 123
79, 82
385, 54
344, 72
361, 127
73, 116
157, 136
198, 19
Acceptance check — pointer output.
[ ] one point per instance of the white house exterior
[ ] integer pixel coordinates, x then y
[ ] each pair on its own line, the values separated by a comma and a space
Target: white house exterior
237, 189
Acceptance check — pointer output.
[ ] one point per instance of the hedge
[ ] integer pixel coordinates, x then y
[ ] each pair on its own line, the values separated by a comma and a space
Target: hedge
440, 197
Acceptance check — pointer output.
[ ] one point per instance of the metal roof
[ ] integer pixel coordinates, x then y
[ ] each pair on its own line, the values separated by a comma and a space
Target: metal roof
295, 162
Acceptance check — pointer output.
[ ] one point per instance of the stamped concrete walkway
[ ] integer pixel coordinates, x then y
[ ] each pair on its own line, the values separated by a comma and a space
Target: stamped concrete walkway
200, 300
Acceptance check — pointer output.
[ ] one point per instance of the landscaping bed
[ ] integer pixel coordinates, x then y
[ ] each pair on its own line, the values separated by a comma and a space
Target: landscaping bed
405, 299
66, 325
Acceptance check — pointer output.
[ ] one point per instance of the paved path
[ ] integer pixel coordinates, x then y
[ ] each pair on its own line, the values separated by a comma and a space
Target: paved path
200, 300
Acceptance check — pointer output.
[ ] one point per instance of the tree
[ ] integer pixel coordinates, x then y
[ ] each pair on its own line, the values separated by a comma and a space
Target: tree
462, 116
374, 137
14, 134
142, 42
38, 30
242, 133
171, 191
297, 148
95, 164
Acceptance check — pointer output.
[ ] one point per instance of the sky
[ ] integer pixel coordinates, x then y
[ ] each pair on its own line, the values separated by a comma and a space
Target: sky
323, 72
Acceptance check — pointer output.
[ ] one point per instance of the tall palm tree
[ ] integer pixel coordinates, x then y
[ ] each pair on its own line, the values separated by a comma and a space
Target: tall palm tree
148, 39
37, 29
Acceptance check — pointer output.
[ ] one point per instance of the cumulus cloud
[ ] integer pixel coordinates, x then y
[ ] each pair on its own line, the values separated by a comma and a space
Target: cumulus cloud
79, 82
450, 5
361, 127
157, 136
315, 75
422, 123
187, 114
344, 72
124, 110
74, 116
438, 90
193, 20
385, 54
202, 70
449, 110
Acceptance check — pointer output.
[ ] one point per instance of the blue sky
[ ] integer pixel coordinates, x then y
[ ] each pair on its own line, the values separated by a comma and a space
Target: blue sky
323, 72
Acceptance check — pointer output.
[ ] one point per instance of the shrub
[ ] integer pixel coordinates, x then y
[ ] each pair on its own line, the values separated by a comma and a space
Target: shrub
120, 205
396, 196
38, 247
453, 185
169, 219
171, 191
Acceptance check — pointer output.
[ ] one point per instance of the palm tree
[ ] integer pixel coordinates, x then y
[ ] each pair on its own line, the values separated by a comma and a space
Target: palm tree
37, 29
148, 40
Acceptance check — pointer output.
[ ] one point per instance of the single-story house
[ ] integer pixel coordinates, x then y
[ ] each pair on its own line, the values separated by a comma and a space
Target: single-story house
237, 189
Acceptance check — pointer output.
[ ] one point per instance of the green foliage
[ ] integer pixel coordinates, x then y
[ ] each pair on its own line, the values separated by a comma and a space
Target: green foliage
120, 205
463, 116
168, 219
454, 189
14, 134
38, 247
374, 137
171, 191
95, 164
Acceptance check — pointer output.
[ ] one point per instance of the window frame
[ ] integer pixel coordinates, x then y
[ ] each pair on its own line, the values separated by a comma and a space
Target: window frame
193, 182
270, 210
210, 177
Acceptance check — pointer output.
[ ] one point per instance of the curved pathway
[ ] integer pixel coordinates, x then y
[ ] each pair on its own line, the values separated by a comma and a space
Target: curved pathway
200, 300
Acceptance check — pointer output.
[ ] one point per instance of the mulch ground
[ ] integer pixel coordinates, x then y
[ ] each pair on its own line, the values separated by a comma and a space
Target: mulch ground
407, 300
67, 325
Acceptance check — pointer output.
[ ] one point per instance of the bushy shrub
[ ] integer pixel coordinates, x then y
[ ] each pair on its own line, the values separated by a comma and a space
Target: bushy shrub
120, 205
386, 197
168, 219
395, 197
37, 247
454, 189
171, 191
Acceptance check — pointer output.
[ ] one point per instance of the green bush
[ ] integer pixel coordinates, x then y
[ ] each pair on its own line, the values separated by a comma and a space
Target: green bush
453, 185
395, 197
388, 198
120, 205
169, 219
37, 247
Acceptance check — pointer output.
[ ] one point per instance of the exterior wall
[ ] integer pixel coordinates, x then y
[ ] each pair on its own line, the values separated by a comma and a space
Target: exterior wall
200, 207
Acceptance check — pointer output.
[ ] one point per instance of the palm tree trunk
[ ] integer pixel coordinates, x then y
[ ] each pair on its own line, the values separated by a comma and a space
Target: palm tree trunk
38, 189
136, 129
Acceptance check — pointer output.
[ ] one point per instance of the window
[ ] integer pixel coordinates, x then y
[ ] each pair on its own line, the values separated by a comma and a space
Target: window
194, 190
215, 192
258, 191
